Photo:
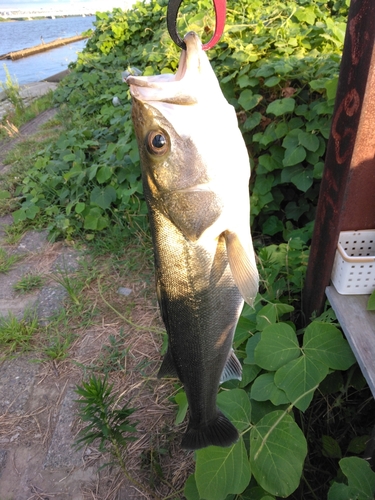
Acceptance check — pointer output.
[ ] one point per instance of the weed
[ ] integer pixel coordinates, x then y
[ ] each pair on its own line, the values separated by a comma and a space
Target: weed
7, 261
113, 356
14, 233
70, 283
12, 91
28, 283
16, 334
58, 348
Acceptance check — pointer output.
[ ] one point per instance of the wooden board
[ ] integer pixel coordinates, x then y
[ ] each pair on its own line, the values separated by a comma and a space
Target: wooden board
358, 325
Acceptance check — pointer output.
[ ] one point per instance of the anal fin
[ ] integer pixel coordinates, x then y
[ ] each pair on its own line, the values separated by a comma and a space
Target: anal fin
168, 367
232, 369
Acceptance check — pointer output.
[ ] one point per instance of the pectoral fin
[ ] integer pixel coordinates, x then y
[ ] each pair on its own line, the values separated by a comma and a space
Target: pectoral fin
242, 265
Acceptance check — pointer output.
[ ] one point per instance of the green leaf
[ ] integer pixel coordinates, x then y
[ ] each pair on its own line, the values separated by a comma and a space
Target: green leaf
103, 174
235, 405
4, 195
272, 81
325, 343
190, 489
340, 491
270, 313
265, 389
293, 156
79, 208
299, 378
281, 106
249, 373
278, 346
248, 100
182, 402
250, 348
330, 447
272, 225
103, 197
308, 141
361, 479
277, 451
371, 302
221, 471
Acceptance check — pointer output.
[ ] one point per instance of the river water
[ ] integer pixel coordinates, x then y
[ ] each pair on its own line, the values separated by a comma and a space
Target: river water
19, 35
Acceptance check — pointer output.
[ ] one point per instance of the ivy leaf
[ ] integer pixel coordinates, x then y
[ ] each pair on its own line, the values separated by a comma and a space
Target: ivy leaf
303, 178
221, 471
265, 389
250, 348
277, 451
299, 378
103, 197
103, 174
293, 156
281, 106
235, 405
272, 225
248, 100
325, 343
278, 346
308, 140
270, 313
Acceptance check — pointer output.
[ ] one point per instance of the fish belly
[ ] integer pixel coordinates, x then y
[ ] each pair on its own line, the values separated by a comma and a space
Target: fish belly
200, 306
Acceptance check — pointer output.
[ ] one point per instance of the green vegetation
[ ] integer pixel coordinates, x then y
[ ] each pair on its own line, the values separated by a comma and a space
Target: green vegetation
16, 334
302, 405
28, 283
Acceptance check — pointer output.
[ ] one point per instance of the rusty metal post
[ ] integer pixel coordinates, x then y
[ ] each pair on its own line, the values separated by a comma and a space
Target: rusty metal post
357, 61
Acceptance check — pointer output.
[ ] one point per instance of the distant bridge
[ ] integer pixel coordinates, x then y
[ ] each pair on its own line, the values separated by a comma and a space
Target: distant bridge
70, 10
32, 13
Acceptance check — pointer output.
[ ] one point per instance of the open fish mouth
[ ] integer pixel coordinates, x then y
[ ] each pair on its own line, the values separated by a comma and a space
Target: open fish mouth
193, 82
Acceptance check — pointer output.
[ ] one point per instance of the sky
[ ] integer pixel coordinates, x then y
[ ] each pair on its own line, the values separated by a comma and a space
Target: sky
102, 5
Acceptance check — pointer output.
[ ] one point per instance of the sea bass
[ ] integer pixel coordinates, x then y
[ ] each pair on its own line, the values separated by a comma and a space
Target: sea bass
195, 171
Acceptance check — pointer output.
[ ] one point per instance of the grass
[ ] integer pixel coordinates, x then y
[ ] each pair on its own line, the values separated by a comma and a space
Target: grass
7, 261
28, 283
17, 334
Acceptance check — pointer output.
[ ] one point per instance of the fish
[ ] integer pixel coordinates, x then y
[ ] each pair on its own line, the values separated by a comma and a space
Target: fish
195, 173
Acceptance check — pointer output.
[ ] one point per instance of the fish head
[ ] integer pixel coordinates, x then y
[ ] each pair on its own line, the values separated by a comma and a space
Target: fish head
192, 151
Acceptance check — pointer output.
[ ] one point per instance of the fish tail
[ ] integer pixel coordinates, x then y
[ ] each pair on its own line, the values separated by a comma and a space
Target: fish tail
218, 432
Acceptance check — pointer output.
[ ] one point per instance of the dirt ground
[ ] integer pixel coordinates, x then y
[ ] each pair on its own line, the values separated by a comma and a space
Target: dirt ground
38, 412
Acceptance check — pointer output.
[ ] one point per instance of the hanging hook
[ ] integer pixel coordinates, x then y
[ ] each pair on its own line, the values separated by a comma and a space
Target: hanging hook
172, 13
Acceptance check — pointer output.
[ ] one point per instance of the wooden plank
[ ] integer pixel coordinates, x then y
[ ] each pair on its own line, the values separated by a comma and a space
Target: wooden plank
359, 328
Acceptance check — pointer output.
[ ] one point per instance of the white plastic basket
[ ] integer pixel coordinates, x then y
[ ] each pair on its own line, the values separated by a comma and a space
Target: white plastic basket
353, 270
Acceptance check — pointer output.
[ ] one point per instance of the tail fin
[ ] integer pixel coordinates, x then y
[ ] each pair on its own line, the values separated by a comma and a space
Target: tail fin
218, 432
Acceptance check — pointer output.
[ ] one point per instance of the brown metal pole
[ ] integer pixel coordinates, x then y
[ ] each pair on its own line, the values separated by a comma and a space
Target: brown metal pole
354, 72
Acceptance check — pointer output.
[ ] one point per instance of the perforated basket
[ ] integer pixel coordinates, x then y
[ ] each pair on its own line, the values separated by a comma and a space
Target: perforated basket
353, 270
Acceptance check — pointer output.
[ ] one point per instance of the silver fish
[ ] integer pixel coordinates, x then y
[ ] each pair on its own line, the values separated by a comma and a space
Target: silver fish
195, 170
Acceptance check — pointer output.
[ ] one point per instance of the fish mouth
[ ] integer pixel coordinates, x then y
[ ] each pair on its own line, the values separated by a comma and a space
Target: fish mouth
194, 80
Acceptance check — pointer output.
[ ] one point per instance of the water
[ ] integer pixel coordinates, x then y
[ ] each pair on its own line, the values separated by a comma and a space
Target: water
18, 35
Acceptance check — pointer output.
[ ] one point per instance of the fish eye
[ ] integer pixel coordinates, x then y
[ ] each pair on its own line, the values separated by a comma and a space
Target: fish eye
157, 142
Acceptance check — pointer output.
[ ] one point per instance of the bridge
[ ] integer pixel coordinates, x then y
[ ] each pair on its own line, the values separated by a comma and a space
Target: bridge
63, 11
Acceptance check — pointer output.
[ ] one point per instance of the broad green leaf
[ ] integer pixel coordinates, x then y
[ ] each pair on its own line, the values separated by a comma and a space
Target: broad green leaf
270, 313
243, 330
278, 346
181, 400
299, 378
360, 476
272, 81
79, 208
325, 343
103, 174
308, 140
221, 471
103, 197
358, 444
293, 156
252, 121
281, 106
235, 405
303, 178
248, 100
249, 373
340, 491
277, 451
272, 225
190, 489
265, 389
250, 348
